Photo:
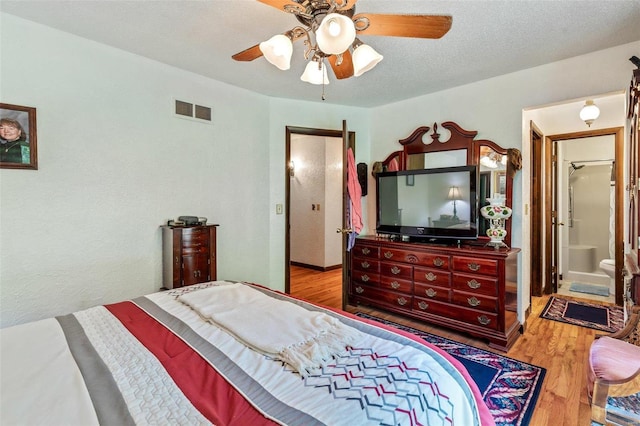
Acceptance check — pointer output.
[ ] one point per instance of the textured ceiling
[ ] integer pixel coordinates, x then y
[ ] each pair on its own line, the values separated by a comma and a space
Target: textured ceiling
487, 38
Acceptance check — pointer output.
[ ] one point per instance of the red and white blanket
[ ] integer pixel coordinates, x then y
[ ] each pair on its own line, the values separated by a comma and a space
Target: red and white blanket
155, 360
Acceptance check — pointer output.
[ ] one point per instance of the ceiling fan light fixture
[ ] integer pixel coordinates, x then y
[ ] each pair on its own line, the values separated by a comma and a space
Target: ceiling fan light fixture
315, 73
335, 34
589, 112
364, 58
278, 50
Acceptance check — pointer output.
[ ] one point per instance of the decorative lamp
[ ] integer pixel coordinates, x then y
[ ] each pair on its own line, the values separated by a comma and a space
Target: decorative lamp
335, 34
589, 112
454, 194
315, 73
278, 50
364, 58
497, 214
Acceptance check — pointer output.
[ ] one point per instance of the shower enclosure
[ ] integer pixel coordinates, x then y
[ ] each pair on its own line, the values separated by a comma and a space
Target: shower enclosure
589, 221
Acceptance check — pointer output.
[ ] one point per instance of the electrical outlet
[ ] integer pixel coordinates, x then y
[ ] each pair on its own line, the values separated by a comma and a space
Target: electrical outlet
278, 208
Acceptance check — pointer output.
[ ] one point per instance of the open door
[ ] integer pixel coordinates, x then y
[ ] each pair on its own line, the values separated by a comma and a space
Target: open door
347, 140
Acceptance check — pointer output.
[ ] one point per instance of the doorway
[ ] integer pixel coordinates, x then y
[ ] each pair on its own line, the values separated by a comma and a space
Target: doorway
314, 210
558, 174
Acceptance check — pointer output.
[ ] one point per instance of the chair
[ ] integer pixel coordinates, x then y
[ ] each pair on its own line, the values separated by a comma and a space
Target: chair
614, 375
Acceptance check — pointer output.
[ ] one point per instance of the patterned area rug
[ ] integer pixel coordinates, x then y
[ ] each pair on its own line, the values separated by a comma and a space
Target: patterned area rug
590, 315
510, 388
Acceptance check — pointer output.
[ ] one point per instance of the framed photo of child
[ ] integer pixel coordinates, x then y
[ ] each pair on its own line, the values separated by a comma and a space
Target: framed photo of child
18, 140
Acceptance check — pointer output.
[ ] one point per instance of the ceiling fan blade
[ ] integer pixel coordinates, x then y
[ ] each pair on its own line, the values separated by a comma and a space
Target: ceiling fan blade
345, 68
285, 5
420, 26
249, 54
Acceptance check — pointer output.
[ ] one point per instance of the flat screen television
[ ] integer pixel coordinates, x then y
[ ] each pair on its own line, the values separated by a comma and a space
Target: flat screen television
428, 204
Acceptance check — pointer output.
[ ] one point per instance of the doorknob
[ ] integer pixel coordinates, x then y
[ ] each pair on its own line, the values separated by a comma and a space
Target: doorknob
344, 230
561, 224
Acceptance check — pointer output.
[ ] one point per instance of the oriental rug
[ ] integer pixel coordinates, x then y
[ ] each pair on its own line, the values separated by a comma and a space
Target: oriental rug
609, 318
510, 388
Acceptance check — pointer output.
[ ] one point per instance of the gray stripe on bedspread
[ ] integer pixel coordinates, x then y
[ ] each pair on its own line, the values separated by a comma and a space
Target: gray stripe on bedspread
261, 398
107, 400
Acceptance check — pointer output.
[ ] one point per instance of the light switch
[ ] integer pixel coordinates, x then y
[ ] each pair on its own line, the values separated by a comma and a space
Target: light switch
278, 208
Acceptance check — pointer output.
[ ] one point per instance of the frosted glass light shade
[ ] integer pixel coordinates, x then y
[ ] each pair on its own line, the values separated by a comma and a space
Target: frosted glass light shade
278, 50
335, 34
315, 73
589, 112
364, 58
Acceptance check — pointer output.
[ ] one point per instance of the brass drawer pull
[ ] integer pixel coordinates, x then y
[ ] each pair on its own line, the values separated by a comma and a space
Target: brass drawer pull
388, 254
473, 301
431, 292
365, 264
482, 319
365, 278
395, 270
473, 266
473, 284
359, 290
438, 262
395, 285
366, 251
402, 301
431, 276
423, 305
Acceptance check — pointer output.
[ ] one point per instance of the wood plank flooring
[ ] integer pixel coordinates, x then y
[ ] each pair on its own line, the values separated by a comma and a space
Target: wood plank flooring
560, 348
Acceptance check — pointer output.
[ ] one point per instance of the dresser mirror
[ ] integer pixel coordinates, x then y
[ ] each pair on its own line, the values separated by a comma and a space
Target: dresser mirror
497, 166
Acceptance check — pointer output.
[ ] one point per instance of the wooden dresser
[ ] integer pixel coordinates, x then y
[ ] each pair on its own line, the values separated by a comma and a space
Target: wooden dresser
188, 255
470, 289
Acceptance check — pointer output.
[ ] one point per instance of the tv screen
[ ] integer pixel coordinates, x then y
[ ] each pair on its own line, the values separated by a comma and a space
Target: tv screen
428, 203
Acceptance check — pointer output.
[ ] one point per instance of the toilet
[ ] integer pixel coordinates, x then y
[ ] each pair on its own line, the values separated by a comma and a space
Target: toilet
608, 266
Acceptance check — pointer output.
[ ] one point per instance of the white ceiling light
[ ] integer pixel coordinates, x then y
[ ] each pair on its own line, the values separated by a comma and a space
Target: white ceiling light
590, 112
278, 50
315, 73
335, 34
364, 58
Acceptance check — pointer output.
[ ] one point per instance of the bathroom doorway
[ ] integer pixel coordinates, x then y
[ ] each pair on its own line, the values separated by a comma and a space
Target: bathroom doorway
586, 208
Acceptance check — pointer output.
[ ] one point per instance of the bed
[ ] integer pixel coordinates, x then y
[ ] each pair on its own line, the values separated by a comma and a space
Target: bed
198, 355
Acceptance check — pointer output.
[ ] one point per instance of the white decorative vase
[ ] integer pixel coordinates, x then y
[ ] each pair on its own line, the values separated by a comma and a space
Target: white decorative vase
497, 213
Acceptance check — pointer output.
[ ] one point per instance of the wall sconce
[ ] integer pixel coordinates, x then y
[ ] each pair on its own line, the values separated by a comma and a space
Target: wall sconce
589, 112
454, 194
292, 168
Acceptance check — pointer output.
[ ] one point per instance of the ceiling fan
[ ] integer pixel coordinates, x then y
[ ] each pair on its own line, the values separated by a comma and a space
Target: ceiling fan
329, 30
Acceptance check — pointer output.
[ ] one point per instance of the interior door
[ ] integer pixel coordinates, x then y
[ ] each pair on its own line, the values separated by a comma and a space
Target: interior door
555, 223
346, 230
347, 141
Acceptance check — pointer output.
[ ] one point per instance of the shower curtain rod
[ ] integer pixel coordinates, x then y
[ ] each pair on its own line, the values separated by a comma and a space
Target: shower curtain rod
591, 161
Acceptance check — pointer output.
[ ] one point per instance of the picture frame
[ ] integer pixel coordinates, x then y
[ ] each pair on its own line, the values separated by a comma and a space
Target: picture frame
18, 137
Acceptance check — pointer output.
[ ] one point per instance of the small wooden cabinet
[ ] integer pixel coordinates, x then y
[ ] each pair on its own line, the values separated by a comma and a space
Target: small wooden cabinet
470, 289
189, 255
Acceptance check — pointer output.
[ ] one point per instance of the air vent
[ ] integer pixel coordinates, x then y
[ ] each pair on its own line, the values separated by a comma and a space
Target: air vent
192, 111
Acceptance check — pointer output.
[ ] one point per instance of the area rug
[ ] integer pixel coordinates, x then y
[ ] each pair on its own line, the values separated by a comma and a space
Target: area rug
510, 388
599, 290
590, 315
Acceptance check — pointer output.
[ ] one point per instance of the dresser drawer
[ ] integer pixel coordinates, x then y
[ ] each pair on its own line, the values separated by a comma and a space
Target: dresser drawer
475, 301
479, 318
367, 278
365, 250
432, 276
396, 284
475, 265
396, 270
195, 241
365, 264
476, 284
428, 306
433, 260
432, 292
381, 297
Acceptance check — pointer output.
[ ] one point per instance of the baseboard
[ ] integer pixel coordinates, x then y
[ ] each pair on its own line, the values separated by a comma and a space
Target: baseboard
316, 268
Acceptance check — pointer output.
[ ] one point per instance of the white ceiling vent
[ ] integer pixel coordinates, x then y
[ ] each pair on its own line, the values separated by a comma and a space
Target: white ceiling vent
192, 111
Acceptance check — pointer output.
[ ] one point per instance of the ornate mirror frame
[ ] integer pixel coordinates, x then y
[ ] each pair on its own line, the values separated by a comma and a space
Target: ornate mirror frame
459, 141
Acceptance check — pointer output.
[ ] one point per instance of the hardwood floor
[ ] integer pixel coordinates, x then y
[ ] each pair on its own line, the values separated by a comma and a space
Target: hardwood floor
560, 348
